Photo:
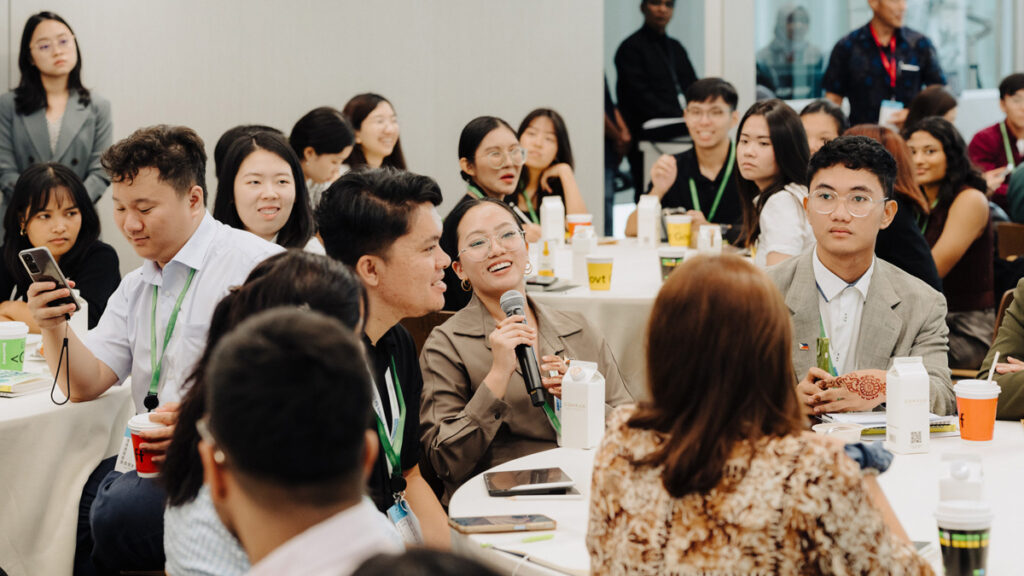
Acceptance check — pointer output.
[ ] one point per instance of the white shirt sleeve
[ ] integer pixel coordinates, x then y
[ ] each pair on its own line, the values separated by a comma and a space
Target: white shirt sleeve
109, 341
783, 222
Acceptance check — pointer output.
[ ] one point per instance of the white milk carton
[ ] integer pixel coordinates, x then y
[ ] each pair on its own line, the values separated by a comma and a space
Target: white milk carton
552, 220
906, 413
648, 220
582, 406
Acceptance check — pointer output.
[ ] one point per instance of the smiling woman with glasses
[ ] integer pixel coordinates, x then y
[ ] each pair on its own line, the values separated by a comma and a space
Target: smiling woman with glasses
50, 116
475, 412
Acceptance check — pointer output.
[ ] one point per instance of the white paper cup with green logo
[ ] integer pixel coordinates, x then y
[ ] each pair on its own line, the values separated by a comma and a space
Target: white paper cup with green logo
12, 345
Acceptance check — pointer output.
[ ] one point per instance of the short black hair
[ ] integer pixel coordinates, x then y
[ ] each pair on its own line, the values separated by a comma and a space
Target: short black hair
856, 153
228, 138
289, 403
708, 89
298, 229
364, 212
826, 106
1011, 85
323, 129
177, 153
473, 134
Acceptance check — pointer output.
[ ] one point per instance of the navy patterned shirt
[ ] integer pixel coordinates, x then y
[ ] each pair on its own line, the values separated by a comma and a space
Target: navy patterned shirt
855, 70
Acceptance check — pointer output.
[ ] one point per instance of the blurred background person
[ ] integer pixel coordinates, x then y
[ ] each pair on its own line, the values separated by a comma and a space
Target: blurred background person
823, 121
549, 165
377, 134
932, 101
998, 147
795, 65
322, 139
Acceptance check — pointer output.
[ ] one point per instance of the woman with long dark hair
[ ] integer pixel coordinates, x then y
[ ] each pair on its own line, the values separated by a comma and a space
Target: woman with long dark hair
959, 230
377, 133
717, 473
50, 207
261, 189
195, 541
902, 242
549, 165
51, 116
772, 156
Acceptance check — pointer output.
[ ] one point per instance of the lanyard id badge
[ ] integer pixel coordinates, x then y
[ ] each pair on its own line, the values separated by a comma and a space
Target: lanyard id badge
1006, 147
721, 187
156, 365
405, 521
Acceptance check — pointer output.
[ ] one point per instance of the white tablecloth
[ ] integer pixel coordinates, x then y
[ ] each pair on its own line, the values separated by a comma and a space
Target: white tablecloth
46, 454
621, 313
911, 486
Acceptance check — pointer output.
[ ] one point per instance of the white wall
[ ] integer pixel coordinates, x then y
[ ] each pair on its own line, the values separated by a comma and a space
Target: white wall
213, 65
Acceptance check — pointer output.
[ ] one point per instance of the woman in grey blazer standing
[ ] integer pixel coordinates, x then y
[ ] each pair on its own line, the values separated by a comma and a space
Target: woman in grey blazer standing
50, 116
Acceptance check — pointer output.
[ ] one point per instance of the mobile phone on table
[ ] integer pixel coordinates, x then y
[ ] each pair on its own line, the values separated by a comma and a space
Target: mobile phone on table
41, 267
510, 523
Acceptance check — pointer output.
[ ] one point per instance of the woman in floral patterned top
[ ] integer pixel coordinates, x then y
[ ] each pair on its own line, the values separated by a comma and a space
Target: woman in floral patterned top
716, 474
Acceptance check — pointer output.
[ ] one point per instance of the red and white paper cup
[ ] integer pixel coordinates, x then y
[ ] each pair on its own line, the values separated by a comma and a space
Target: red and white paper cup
144, 465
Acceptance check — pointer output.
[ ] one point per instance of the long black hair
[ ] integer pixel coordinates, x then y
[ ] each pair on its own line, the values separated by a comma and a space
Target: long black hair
356, 110
291, 278
789, 144
30, 95
472, 135
960, 172
563, 150
32, 193
300, 225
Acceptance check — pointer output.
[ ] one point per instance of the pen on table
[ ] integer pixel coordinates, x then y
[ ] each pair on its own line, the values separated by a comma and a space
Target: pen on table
527, 540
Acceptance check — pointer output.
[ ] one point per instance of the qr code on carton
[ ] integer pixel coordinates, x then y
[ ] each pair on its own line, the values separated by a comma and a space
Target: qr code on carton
915, 437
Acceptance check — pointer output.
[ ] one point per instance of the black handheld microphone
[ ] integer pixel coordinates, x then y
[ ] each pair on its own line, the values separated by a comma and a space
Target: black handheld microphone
513, 304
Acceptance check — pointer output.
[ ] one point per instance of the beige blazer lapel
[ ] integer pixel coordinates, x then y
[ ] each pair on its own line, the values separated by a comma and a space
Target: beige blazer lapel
35, 126
880, 325
74, 116
802, 300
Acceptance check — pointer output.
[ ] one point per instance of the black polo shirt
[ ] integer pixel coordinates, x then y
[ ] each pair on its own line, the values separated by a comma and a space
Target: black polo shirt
855, 70
730, 210
398, 344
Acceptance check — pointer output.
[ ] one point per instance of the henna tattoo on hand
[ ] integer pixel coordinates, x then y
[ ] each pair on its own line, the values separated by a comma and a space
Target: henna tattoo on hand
866, 386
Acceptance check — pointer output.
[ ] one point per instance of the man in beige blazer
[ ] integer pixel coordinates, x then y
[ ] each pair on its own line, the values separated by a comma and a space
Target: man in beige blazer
870, 310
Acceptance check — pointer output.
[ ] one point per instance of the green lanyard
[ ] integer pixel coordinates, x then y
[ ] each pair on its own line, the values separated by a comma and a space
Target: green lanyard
553, 418
475, 192
1006, 145
156, 365
393, 452
824, 354
529, 206
924, 226
721, 187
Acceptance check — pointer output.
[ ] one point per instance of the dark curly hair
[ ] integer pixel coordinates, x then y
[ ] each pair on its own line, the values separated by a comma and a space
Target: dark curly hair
960, 172
176, 152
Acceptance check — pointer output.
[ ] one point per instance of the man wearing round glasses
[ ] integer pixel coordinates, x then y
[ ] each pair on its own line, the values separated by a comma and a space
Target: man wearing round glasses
853, 313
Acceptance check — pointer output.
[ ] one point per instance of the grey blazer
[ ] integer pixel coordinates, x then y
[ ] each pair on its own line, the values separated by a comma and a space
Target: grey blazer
85, 133
902, 316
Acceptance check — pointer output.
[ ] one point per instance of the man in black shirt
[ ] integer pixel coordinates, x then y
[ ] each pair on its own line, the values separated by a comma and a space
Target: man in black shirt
385, 225
654, 72
703, 178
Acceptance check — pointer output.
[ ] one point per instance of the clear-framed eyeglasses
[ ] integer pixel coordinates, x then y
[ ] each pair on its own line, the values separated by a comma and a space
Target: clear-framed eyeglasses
480, 246
497, 158
858, 204
63, 42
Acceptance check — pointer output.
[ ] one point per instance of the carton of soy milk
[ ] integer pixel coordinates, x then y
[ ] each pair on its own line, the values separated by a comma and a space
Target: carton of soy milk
906, 400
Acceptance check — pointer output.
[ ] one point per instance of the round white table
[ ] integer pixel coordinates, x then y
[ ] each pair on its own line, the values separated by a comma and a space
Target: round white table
46, 455
911, 485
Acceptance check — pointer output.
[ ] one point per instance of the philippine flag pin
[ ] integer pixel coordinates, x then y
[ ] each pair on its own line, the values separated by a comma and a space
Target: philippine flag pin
804, 346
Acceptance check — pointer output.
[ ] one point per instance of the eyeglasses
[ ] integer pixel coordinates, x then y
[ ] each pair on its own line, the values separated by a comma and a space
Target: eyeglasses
203, 427
496, 158
698, 113
857, 204
62, 42
480, 246
1016, 99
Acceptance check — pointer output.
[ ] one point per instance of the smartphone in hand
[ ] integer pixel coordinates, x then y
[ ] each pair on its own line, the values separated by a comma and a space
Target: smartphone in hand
41, 267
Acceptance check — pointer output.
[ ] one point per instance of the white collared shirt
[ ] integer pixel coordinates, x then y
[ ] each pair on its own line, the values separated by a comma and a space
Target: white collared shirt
334, 547
222, 257
840, 305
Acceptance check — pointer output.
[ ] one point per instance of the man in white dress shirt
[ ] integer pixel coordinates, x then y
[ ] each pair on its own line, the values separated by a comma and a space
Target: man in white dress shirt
153, 329
287, 470
868, 310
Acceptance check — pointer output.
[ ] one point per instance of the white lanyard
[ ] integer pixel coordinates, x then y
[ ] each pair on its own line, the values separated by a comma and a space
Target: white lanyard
378, 408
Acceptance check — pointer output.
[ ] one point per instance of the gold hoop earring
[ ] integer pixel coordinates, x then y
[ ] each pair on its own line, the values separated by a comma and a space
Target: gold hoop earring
466, 286
529, 268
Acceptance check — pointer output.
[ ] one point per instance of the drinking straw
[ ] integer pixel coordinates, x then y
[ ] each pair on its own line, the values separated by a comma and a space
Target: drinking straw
992, 370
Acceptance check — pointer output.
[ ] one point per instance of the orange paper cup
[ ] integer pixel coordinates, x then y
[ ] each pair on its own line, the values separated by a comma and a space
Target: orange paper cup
144, 465
976, 402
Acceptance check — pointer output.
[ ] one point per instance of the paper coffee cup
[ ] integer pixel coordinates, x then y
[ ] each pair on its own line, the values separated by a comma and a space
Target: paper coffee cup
574, 220
144, 465
678, 228
964, 527
976, 402
848, 432
669, 258
12, 345
599, 272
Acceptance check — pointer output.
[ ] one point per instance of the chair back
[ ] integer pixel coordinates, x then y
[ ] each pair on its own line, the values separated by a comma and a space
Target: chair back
420, 328
1010, 237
